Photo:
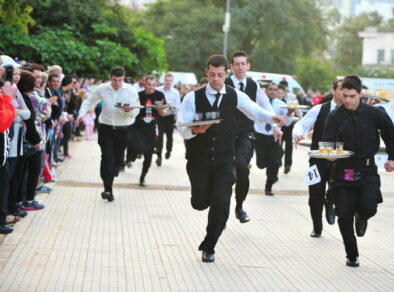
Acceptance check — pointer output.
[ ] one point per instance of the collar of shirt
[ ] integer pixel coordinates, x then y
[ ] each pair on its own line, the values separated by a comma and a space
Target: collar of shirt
333, 105
210, 93
237, 82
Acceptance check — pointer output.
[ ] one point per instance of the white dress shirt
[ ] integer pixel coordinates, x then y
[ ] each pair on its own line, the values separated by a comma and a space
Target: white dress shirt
186, 113
260, 128
173, 97
111, 115
303, 126
261, 98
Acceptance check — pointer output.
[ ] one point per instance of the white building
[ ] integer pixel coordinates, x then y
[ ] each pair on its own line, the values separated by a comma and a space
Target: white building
378, 47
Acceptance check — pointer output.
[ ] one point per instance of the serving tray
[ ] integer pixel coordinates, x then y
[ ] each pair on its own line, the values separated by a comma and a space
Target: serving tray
199, 123
334, 155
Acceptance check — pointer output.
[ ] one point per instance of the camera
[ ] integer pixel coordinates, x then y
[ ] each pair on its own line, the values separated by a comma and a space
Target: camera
9, 72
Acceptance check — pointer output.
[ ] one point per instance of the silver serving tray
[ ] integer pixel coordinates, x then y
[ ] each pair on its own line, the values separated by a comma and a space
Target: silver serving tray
128, 106
159, 106
199, 123
294, 106
334, 155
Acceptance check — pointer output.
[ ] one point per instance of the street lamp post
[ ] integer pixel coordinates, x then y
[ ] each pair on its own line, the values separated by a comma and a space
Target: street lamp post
226, 27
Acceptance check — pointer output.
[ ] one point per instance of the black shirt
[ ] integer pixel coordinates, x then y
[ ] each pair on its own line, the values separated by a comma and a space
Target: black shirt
146, 119
360, 129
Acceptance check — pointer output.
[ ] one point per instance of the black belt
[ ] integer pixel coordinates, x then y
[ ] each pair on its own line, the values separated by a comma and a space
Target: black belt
114, 127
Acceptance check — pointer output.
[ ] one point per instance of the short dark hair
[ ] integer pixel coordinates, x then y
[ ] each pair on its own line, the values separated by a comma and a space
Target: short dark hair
335, 84
68, 79
151, 77
284, 83
239, 54
217, 61
282, 87
27, 81
51, 76
118, 71
352, 82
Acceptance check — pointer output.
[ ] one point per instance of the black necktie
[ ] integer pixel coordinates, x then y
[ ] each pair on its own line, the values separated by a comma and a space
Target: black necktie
268, 127
215, 104
241, 86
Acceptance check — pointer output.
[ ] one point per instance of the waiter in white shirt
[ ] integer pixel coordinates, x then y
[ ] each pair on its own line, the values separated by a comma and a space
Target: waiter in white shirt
244, 128
113, 124
166, 122
210, 148
268, 149
316, 119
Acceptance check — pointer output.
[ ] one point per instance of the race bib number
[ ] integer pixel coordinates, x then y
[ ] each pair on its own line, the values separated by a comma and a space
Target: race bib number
312, 176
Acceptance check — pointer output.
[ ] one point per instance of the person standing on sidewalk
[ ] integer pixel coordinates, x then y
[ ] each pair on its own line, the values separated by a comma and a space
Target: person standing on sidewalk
166, 123
210, 148
315, 119
355, 181
113, 124
244, 128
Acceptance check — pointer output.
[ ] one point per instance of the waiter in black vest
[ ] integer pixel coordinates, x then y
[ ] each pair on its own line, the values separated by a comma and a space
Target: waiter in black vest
318, 197
210, 148
355, 180
244, 128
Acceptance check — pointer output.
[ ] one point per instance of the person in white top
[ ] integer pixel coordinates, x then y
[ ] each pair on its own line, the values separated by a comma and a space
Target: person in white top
116, 116
244, 128
140, 85
318, 197
210, 148
268, 150
166, 123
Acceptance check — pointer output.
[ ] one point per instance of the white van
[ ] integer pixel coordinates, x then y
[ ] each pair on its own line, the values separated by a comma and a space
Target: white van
294, 86
182, 77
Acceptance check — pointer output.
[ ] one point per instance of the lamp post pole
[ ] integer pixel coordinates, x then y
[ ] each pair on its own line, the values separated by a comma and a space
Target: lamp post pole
226, 27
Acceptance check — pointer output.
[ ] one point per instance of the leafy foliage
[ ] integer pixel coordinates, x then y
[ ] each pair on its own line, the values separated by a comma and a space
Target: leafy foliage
314, 74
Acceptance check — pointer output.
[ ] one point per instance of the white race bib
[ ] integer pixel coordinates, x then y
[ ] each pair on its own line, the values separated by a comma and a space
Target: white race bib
312, 176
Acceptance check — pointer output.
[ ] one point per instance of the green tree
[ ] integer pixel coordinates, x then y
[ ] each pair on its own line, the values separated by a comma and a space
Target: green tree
273, 32
314, 74
349, 44
15, 13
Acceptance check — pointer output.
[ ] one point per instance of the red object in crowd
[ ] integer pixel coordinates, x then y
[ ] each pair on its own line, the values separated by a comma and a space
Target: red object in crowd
46, 173
7, 112
316, 99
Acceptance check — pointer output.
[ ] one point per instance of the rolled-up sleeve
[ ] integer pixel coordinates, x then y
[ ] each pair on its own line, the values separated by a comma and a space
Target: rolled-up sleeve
186, 114
252, 110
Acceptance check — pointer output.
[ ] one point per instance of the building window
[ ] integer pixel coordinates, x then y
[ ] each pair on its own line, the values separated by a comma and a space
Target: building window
380, 56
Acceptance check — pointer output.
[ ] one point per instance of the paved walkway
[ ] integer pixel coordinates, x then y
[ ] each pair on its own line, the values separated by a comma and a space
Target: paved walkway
147, 239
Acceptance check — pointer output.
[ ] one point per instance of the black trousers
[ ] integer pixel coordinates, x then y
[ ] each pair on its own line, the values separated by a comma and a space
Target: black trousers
134, 147
287, 139
317, 193
348, 201
27, 174
112, 141
166, 126
243, 155
67, 129
268, 155
211, 187
4, 183
12, 163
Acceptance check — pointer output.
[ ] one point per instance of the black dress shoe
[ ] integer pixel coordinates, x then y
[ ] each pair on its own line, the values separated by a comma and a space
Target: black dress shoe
361, 225
315, 234
158, 161
20, 213
142, 183
353, 262
330, 213
208, 257
168, 154
242, 216
5, 229
269, 193
107, 196
287, 169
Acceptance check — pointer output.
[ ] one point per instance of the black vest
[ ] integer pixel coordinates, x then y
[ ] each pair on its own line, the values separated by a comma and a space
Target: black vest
216, 145
244, 126
318, 129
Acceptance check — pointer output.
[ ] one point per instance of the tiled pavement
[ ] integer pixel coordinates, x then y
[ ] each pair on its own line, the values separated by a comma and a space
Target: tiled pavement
147, 239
